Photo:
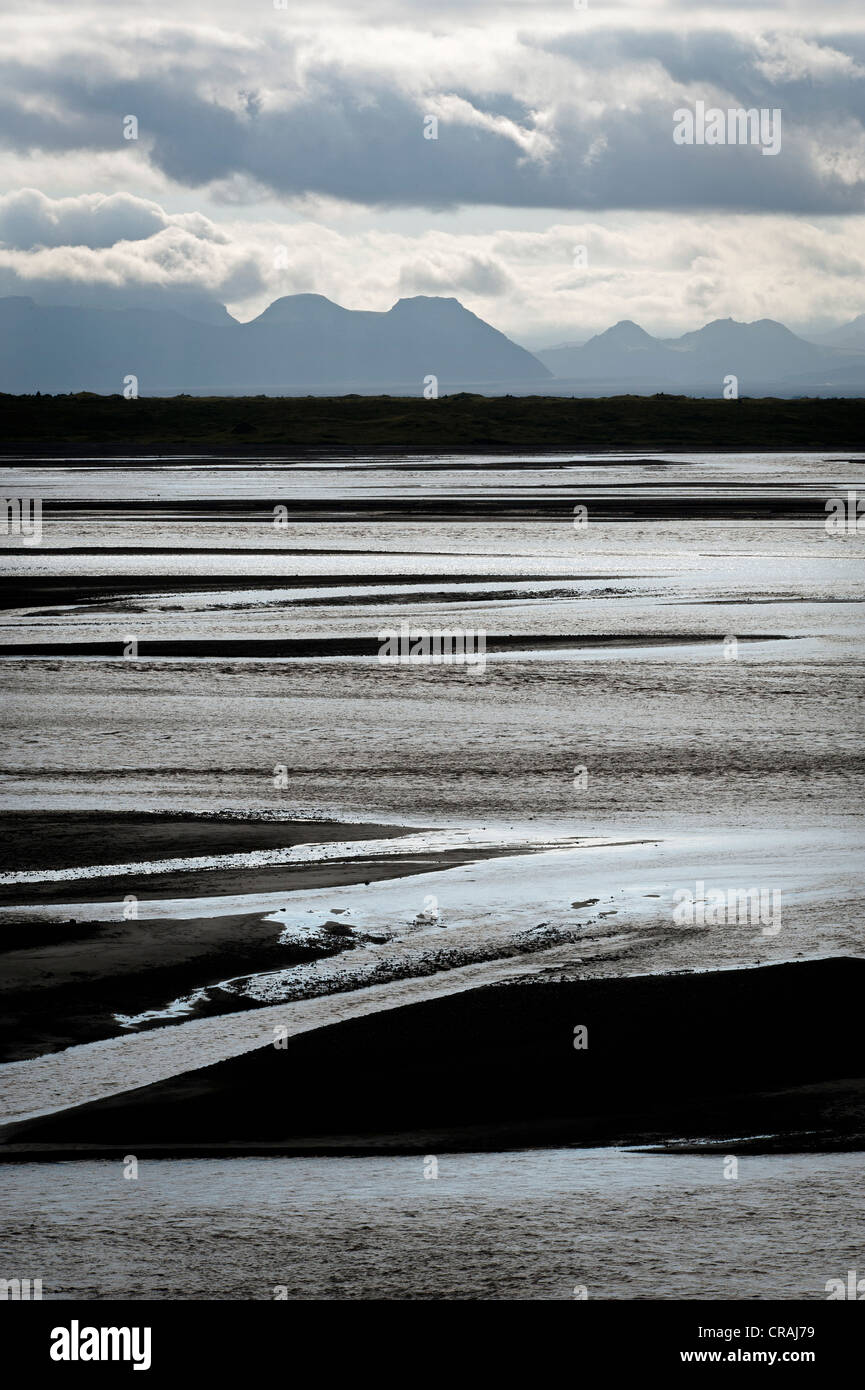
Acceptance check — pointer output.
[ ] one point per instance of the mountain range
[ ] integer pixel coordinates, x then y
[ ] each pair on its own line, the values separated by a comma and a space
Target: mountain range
761, 355
302, 342
306, 344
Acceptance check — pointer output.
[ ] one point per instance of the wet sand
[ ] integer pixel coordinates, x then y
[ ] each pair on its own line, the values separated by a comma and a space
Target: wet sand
62, 983
46, 839
771, 1057
262, 648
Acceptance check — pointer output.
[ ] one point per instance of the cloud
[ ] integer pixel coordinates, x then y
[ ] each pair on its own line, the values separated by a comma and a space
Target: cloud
29, 219
118, 251
670, 272
436, 273
301, 134
587, 122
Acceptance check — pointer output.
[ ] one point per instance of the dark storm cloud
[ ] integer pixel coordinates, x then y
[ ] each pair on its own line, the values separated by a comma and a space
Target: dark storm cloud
359, 136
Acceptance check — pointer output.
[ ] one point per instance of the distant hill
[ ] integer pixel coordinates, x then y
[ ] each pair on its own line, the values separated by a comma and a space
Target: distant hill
304, 344
301, 341
625, 353
762, 355
848, 335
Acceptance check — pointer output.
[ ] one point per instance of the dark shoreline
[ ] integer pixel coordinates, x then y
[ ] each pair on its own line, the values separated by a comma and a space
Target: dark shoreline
62, 983
303, 424
262, 649
31, 839
773, 1054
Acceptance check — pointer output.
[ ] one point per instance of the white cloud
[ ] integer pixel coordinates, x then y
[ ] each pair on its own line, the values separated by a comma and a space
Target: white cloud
795, 58
298, 137
29, 219
669, 272
117, 250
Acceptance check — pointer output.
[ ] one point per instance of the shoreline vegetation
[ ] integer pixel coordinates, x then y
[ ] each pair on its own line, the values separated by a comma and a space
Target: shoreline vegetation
456, 422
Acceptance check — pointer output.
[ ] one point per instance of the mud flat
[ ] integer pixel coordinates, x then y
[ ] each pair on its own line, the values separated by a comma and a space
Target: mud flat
769, 1059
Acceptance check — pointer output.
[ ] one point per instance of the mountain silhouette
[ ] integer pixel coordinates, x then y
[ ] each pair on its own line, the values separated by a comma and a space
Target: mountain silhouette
847, 335
306, 344
302, 340
761, 355
624, 352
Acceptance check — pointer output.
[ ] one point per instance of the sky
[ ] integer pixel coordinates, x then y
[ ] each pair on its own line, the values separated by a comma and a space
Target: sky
175, 153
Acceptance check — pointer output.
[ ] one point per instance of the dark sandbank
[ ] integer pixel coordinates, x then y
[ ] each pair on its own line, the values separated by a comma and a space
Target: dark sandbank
63, 982
312, 648
776, 1052
31, 840
705, 501
110, 591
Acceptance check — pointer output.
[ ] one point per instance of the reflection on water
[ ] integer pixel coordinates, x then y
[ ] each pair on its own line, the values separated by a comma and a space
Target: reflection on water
527, 1225
697, 768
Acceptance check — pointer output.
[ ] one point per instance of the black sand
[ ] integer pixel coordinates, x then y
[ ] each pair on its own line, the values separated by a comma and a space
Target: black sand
31, 840
63, 982
264, 648
775, 1052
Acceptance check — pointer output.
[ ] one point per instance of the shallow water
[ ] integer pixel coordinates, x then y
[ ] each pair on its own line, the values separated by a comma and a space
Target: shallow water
528, 1225
737, 771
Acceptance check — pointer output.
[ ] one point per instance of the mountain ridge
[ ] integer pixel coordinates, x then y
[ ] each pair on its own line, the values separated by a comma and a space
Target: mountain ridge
307, 342
758, 352
298, 340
